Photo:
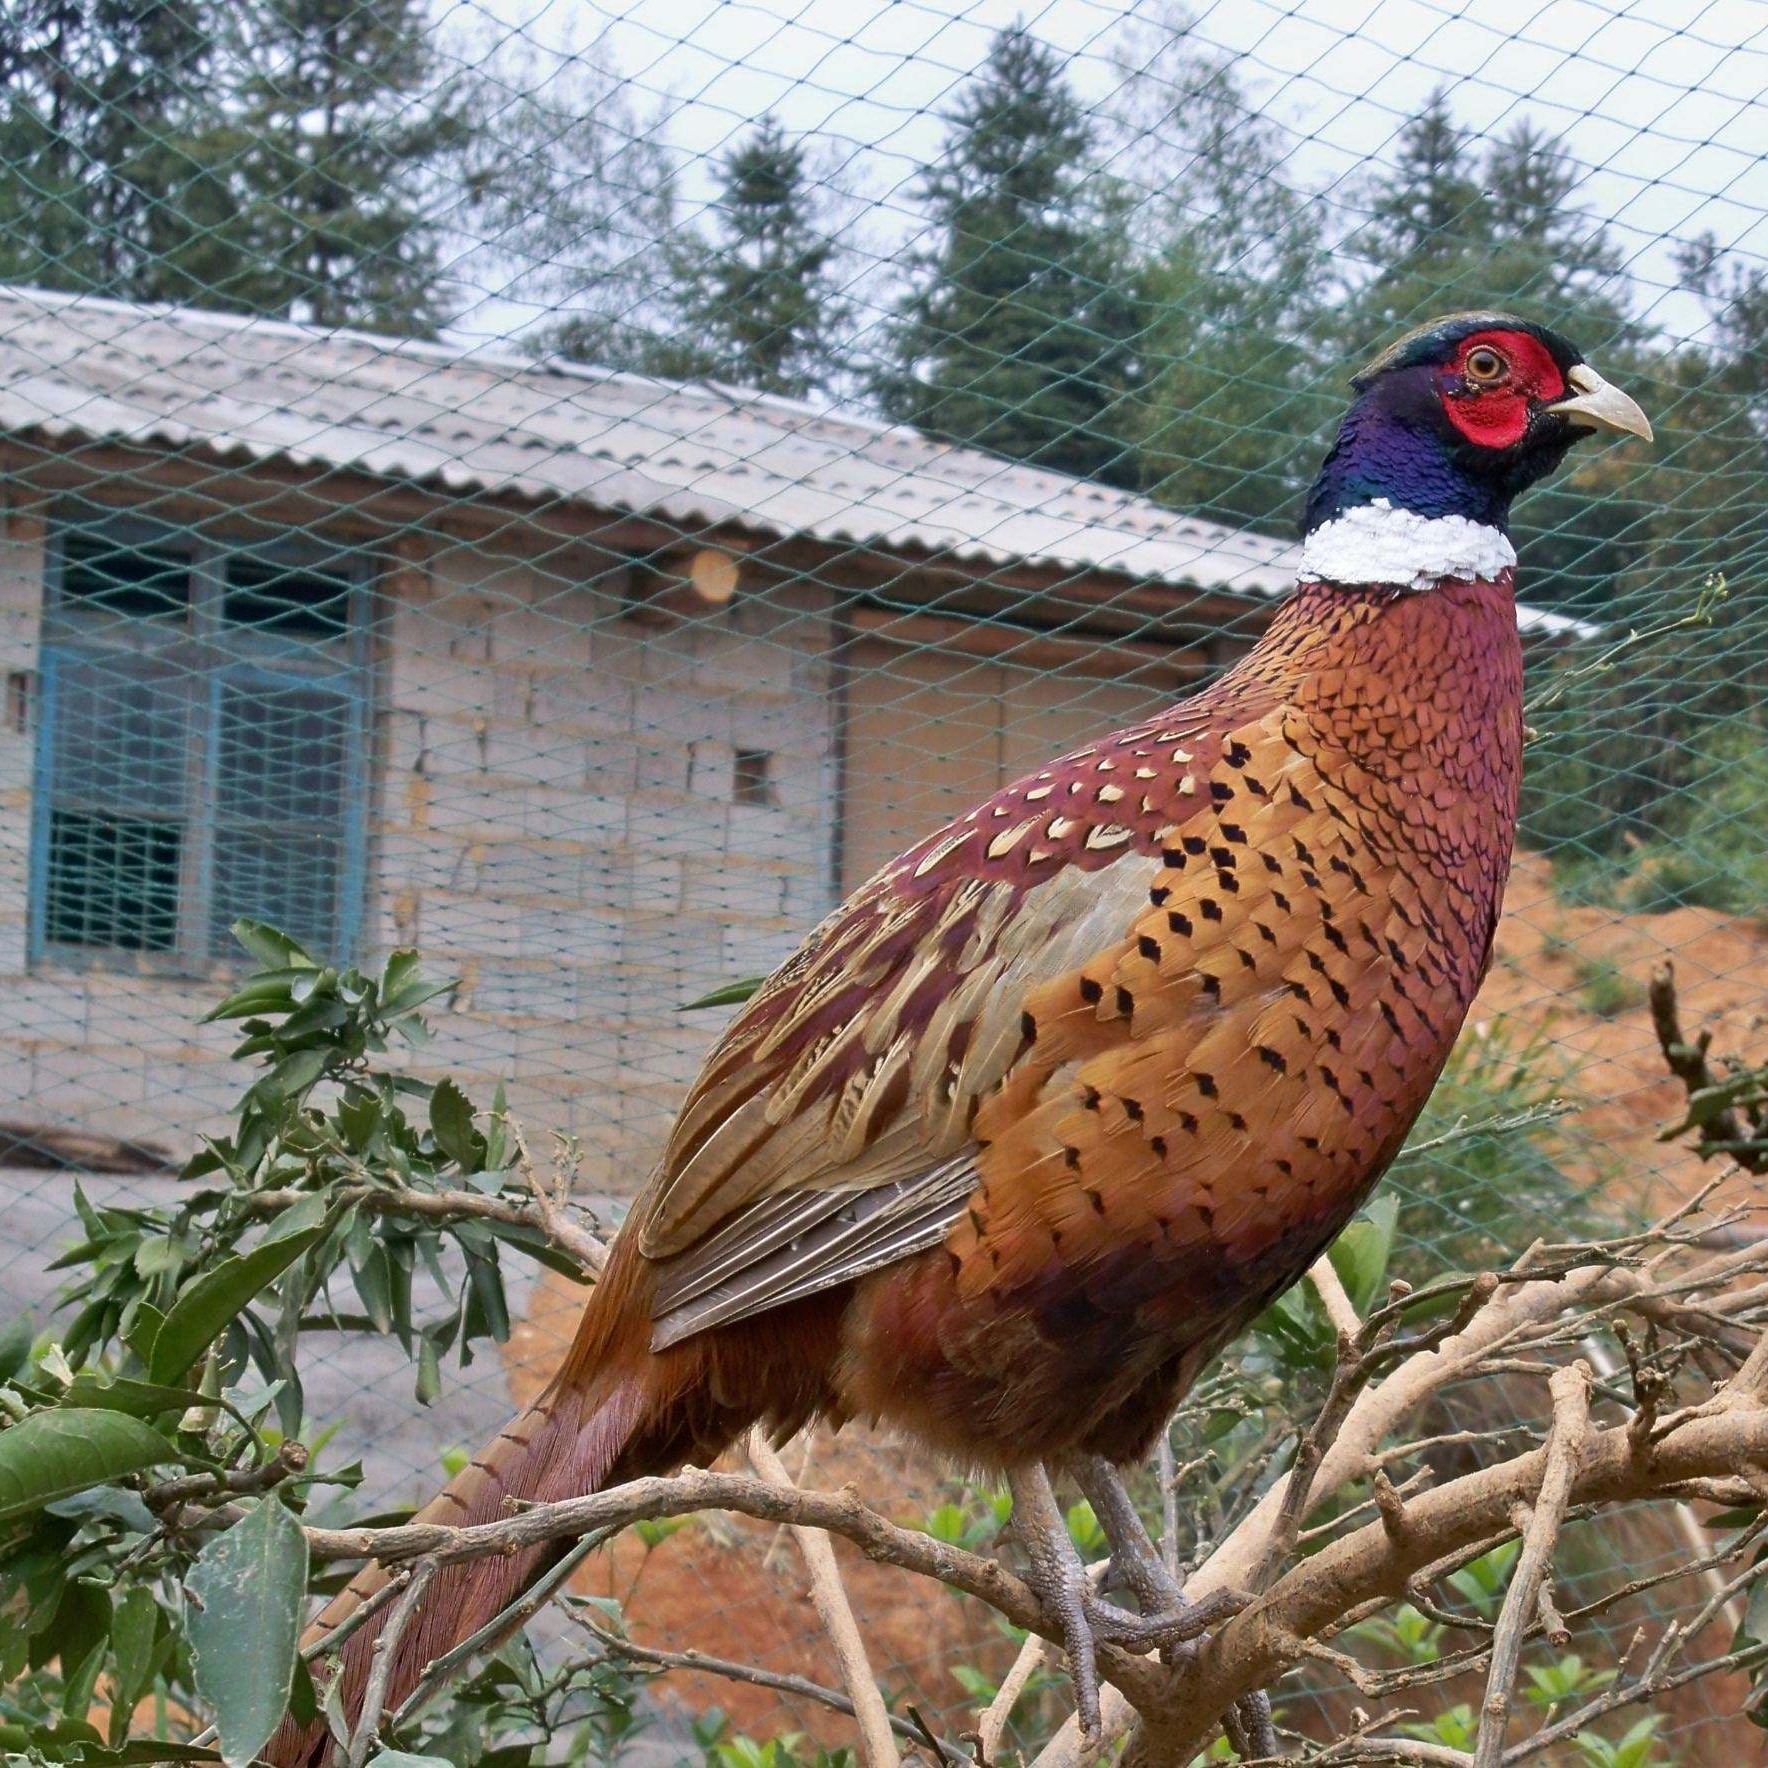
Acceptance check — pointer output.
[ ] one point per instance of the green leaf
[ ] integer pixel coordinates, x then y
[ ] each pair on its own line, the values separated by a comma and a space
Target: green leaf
1360, 1254
140, 1399
272, 949
270, 991
132, 1638
727, 996
146, 1328
294, 1074
451, 1123
403, 989
52, 1455
15, 1346
249, 1589
303, 1696
359, 1117
402, 1759
429, 1370
1755, 1617
1220, 1423
206, 1305
76, 1696
373, 1278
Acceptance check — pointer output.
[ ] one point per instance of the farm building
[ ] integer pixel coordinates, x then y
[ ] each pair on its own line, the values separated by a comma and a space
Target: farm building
599, 690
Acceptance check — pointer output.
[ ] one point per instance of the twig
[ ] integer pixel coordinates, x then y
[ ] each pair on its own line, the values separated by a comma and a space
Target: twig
446, 1206
438, 1674
1726, 1130
290, 1459
1349, 1378
780, 1682
1168, 1475
1570, 1389
588, 1249
771, 1558
358, 1617
1034, 1654
877, 1746
386, 1649
1323, 1274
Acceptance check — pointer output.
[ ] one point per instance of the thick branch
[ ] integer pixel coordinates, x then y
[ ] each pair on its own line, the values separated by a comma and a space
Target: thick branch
1254, 1648
695, 1489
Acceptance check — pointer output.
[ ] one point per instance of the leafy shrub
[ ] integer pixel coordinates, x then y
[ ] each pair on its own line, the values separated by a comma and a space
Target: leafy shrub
1489, 1166
181, 1357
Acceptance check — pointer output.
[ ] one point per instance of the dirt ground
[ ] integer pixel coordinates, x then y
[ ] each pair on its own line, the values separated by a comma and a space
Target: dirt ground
1553, 965
1574, 975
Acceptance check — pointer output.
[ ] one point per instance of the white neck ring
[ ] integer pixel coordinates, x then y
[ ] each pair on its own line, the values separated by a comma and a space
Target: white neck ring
1378, 544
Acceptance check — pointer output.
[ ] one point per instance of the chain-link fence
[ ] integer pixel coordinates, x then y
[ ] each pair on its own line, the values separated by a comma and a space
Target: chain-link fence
575, 489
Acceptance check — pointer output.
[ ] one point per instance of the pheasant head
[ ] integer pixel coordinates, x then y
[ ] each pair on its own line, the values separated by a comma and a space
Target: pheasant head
1449, 425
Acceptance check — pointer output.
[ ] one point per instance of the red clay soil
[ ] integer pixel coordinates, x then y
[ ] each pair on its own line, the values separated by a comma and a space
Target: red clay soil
1553, 959
735, 1589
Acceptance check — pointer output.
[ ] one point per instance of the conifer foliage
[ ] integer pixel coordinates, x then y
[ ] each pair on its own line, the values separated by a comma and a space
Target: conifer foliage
756, 298
1016, 334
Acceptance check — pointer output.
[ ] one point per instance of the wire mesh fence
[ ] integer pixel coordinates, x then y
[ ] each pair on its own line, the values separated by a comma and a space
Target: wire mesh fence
575, 489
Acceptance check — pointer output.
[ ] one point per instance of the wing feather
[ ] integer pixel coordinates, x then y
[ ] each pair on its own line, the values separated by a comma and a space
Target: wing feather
831, 1130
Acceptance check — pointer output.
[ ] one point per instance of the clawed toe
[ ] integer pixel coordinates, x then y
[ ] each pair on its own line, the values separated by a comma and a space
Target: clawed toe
1083, 1618
1175, 1625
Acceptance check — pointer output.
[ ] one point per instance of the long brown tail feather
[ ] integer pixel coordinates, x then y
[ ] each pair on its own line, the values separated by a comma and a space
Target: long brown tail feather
602, 1409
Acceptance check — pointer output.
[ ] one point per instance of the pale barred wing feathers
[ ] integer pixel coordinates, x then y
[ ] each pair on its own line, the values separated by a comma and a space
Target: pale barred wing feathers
830, 1132
790, 1246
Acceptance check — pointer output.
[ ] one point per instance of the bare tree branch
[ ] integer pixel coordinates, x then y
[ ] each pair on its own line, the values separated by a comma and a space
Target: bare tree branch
829, 1595
781, 1683
386, 1646
578, 1243
1570, 1389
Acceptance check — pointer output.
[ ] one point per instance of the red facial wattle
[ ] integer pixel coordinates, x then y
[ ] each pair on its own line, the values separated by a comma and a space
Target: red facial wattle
1495, 413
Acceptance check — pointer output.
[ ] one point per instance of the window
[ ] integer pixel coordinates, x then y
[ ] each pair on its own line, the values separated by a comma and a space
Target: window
752, 777
202, 746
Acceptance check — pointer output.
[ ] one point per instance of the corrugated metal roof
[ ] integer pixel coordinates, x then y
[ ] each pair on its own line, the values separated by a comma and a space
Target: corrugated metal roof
475, 419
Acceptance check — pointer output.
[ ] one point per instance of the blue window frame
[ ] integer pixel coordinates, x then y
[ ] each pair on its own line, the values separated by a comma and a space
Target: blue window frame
203, 748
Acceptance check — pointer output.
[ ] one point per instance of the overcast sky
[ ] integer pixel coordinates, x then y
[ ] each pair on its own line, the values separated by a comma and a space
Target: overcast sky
1666, 100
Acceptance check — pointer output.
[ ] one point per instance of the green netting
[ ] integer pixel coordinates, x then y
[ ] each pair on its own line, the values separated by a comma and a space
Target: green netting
573, 488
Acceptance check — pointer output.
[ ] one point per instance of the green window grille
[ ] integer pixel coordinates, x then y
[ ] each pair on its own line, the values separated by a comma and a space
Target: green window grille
203, 746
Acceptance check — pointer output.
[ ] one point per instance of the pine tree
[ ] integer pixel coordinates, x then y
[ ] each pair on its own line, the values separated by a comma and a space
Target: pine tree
348, 129
1016, 335
115, 148
756, 303
1226, 417
1428, 214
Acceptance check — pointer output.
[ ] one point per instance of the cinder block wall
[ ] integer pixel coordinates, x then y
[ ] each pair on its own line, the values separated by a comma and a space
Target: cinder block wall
556, 820
559, 824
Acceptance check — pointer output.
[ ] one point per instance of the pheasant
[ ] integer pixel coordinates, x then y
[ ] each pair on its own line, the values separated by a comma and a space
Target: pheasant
1034, 1123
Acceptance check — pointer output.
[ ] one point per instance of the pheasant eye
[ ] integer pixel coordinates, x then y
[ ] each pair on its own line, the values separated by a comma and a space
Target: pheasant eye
1485, 367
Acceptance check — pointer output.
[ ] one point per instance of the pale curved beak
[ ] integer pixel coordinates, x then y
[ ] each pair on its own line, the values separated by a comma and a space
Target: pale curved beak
1600, 405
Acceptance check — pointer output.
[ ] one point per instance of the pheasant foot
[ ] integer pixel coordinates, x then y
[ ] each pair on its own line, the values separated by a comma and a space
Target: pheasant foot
1058, 1575
1167, 1617
1163, 1599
